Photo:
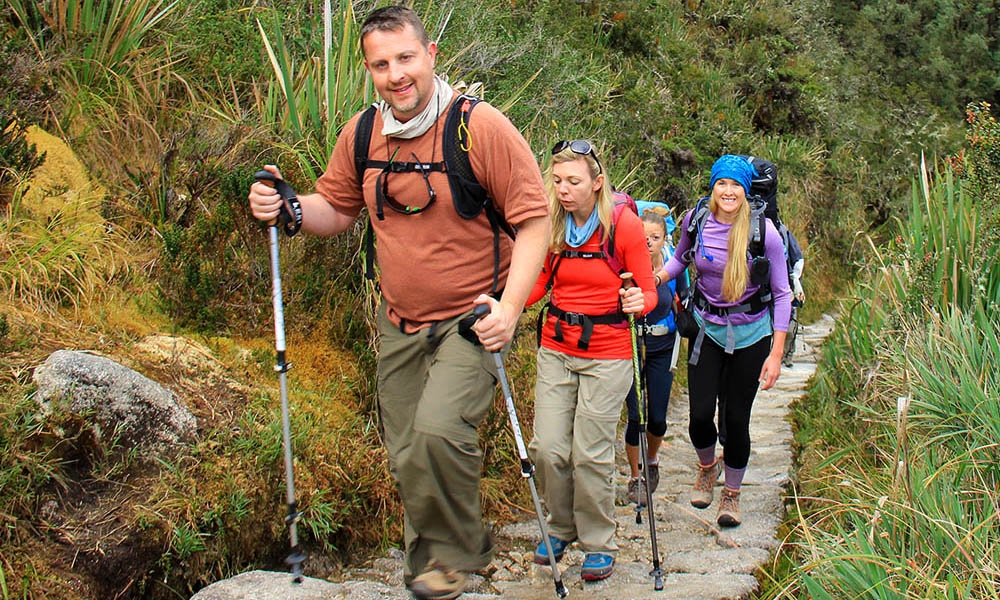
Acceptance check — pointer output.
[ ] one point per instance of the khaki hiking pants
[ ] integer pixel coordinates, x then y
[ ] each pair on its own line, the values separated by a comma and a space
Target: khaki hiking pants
434, 389
578, 402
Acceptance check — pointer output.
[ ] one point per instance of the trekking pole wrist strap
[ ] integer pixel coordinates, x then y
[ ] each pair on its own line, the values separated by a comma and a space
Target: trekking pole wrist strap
290, 211
291, 208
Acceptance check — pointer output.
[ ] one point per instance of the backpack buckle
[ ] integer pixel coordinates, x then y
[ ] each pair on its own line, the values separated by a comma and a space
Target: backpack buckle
575, 319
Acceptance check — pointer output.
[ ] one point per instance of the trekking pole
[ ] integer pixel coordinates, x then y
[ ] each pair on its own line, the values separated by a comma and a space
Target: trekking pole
527, 469
297, 557
640, 397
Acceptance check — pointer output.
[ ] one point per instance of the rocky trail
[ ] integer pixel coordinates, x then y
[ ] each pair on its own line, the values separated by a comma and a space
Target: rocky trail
699, 561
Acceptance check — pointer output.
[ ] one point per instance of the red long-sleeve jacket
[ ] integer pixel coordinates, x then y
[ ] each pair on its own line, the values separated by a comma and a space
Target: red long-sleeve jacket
589, 286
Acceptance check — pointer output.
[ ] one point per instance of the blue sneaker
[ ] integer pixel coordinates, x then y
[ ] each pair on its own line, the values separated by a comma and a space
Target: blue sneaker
597, 566
558, 549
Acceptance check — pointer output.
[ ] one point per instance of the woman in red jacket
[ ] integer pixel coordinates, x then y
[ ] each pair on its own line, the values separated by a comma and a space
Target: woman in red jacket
585, 358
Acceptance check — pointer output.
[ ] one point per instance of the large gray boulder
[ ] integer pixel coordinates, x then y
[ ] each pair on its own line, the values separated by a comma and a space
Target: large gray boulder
121, 404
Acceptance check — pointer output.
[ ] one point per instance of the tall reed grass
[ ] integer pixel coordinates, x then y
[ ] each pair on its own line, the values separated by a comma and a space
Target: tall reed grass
102, 37
310, 99
903, 500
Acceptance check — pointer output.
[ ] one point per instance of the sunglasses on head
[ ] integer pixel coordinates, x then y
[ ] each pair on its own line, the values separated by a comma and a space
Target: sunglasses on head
581, 147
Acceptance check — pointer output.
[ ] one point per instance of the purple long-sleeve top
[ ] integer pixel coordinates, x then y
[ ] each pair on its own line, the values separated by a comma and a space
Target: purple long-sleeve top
714, 244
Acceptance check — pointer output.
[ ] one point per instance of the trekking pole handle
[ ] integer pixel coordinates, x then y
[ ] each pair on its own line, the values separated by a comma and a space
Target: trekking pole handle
290, 211
481, 311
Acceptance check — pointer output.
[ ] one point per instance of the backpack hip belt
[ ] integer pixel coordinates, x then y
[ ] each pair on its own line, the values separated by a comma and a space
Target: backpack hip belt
587, 322
656, 330
755, 304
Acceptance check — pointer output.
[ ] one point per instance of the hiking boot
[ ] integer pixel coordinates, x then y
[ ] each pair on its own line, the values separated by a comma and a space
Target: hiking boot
558, 549
636, 493
438, 582
597, 566
729, 508
653, 471
701, 494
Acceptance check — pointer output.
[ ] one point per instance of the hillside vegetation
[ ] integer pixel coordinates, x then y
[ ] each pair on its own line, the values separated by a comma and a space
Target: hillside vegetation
171, 106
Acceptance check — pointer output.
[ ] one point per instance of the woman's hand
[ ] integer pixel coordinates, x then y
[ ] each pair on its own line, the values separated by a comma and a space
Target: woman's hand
632, 300
770, 371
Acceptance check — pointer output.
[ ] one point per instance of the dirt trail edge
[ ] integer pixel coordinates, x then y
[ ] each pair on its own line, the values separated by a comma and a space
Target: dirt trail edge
700, 561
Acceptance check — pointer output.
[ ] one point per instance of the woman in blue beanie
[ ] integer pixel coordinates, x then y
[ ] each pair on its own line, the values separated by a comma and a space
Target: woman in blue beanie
742, 328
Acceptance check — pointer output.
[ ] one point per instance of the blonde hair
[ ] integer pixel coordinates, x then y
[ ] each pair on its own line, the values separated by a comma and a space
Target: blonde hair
604, 205
736, 274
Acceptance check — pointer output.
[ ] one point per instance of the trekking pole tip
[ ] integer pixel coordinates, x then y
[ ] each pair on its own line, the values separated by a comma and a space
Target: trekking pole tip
561, 590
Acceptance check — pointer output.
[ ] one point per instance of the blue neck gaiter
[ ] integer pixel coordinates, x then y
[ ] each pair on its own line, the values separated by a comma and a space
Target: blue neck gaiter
577, 236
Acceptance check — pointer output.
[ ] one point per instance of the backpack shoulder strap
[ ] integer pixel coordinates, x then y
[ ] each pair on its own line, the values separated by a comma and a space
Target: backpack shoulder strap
699, 215
468, 195
362, 139
758, 228
622, 201
608, 249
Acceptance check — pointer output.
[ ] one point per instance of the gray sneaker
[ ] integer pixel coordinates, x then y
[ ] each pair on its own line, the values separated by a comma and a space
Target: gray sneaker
636, 493
654, 477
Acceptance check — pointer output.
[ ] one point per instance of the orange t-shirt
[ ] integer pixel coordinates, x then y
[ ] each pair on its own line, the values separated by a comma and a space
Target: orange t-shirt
433, 264
589, 286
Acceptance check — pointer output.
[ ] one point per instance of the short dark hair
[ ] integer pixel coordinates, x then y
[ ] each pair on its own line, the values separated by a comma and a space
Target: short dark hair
394, 18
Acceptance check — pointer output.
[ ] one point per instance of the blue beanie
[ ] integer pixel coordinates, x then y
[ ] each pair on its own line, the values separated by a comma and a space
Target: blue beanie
737, 168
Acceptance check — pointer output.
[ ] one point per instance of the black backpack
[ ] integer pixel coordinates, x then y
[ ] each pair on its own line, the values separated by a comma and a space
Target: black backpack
469, 197
765, 186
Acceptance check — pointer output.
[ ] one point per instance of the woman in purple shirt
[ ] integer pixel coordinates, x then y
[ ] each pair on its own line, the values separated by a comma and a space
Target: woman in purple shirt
743, 328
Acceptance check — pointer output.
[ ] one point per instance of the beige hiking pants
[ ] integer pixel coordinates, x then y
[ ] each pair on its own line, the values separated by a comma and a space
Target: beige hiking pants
578, 402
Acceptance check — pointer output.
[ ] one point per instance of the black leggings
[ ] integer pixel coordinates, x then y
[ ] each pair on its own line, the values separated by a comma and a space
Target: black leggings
731, 380
659, 379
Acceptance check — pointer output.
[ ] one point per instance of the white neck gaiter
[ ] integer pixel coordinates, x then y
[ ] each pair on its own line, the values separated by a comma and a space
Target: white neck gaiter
419, 124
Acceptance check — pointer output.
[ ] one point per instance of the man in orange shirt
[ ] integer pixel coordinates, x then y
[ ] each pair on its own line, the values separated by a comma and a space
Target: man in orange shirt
434, 385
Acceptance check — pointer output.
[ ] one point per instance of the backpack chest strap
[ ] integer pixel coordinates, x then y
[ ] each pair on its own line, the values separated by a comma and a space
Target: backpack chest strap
582, 254
407, 167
